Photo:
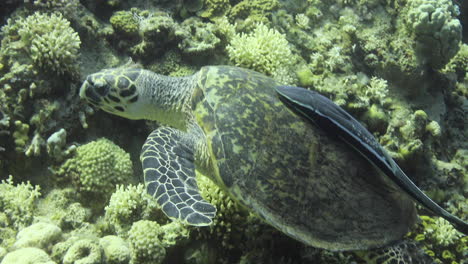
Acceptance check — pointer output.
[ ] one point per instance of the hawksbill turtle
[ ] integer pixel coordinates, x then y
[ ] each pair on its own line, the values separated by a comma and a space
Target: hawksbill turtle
242, 130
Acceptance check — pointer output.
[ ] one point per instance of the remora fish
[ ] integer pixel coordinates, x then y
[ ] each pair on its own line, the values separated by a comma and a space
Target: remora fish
324, 113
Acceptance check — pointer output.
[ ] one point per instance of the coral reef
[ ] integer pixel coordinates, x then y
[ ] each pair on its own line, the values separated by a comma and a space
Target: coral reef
397, 66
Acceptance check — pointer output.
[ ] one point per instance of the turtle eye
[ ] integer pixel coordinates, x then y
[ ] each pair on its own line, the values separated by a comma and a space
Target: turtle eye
101, 88
91, 96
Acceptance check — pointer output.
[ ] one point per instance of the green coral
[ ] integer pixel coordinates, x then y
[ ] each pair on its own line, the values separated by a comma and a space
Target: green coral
214, 8
116, 250
436, 30
40, 235
17, 203
144, 32
259, 8
149, 240
84, 251
199, 37
230, 217
440, 230
20, 135
98, 166
48, 40
127, 205
440, 240
264, 50
27, 256
125, 22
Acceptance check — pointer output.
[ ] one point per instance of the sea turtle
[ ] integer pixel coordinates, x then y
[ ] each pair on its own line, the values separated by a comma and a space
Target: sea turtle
233, 126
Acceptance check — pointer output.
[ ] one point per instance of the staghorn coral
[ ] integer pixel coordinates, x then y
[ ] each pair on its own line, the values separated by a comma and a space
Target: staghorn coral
97, 167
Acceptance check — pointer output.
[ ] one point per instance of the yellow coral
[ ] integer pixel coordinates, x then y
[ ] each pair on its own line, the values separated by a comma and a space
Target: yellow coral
98, 166
17, 203
264, 50
50, 41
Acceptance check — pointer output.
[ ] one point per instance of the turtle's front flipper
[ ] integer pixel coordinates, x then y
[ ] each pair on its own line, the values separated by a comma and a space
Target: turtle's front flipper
321, 111
169, 170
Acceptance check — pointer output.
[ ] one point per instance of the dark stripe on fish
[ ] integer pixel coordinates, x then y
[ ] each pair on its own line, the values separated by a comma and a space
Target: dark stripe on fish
324, 113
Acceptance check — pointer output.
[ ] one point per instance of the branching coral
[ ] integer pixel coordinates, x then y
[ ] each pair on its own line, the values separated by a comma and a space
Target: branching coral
48, 40
264, 50
440, 240
17, 203
436, 30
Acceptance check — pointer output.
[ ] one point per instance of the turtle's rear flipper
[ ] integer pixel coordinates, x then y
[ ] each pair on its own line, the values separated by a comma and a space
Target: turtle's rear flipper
169, 171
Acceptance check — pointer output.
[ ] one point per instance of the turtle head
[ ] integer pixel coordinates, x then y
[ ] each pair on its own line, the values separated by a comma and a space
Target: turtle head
114, 91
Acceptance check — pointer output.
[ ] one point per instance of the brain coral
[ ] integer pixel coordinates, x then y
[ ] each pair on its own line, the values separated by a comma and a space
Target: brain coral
49, 40
98, 167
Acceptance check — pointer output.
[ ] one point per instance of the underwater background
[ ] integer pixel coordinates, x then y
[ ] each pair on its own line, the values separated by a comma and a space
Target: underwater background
71, 182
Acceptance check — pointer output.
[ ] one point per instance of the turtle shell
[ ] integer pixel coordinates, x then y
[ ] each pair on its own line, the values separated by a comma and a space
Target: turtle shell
293, 175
